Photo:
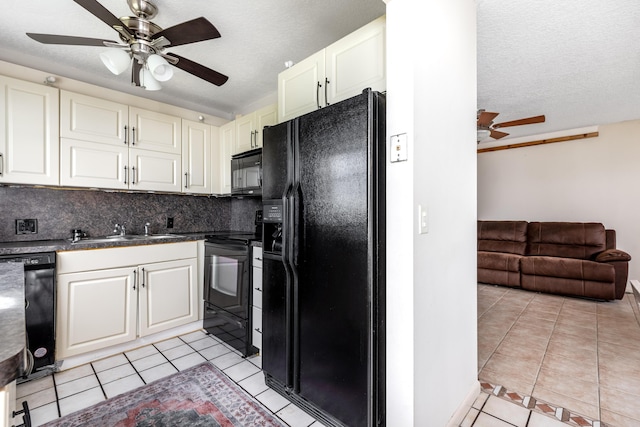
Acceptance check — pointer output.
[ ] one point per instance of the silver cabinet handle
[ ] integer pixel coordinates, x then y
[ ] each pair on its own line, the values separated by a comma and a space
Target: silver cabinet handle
135, 278
318, 95
326, 85
258, 289
142, 278
186, 180
125, 174
1, 164
258, 330
126, 131
133, 135
133, 175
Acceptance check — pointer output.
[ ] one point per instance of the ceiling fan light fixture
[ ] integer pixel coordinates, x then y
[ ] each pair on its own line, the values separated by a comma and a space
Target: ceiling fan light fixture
116, 60
483, 134
147, 81
160, 68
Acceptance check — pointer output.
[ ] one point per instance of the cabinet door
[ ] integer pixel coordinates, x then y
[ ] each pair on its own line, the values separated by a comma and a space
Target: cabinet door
90, 164
154, 171
227, 141
151, 130
29, 150
216, 156
266, 116
87, 118
168, 295
356, 62
245, 133
95, 309
301, 87
196, 157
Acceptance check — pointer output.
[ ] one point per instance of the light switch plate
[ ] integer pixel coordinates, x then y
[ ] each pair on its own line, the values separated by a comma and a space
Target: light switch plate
423, 220
398, 148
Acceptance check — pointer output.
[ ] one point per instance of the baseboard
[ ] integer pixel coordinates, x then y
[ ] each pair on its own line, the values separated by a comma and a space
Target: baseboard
82, 359
461, 412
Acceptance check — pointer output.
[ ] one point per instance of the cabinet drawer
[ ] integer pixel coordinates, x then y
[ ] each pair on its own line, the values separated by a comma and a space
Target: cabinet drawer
256, 332
257, 257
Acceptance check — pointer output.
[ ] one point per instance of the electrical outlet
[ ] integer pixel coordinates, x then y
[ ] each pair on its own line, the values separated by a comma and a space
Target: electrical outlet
26, 226
170, 222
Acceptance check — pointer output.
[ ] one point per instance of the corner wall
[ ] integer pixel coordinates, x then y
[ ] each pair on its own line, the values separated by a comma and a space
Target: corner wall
588, 180
431, 278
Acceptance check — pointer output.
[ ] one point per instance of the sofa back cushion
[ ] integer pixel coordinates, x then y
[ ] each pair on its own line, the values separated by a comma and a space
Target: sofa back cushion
580, 240
502, 236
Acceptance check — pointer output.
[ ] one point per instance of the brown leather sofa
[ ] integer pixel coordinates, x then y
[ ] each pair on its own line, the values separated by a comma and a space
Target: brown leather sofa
566, 258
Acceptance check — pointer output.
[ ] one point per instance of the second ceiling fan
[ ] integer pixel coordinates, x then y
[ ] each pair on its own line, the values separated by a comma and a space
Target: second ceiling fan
486, 127
142, 44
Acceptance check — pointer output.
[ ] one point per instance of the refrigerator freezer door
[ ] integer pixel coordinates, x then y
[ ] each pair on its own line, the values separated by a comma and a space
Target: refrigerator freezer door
334, 291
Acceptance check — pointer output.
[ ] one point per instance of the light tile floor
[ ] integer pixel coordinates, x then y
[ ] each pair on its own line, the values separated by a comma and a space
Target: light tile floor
565, 358
68, 391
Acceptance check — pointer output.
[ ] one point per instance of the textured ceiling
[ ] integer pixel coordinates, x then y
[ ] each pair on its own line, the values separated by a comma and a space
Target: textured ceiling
257, 38
576, 62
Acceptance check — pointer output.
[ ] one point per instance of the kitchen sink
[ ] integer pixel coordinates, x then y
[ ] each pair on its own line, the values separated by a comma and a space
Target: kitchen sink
126, 238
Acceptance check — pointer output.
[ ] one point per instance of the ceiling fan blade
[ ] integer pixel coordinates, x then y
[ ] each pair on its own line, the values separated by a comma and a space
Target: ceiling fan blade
199, 70
486, 118
527, 121
69, 40
196, 30
496, 134
103, 14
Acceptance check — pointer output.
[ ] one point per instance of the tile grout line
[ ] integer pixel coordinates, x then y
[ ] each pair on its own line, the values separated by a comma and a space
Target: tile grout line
134, 368
98, 379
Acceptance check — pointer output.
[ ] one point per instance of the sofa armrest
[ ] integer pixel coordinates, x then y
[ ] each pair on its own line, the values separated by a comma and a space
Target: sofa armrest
610, 255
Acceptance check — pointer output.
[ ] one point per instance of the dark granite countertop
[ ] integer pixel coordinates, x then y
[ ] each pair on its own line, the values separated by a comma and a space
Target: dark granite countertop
12, 324
35, 246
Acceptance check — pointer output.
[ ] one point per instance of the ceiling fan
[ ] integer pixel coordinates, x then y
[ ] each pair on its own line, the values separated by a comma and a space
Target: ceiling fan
142, 44
486, 127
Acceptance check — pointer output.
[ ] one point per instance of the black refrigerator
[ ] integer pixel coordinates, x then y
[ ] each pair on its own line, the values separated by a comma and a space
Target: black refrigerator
323, 344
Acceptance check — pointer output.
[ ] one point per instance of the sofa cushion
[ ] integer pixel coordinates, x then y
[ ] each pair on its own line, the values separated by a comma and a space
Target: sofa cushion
502, 236
579, 240
499, 268
568, 268
567, 276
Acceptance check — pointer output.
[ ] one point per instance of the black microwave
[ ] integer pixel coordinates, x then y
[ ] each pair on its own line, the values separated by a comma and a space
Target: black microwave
246, 173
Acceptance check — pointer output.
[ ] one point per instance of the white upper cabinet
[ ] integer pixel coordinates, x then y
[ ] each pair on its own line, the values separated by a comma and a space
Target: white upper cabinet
196, 157
300, 88
155, 131
86, 118
245, 133
266, 116
226, 145
29, 149
249, 128
342, 70
106, 144
356, 62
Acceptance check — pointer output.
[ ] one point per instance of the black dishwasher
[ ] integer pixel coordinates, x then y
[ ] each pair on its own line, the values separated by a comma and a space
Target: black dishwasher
39, 293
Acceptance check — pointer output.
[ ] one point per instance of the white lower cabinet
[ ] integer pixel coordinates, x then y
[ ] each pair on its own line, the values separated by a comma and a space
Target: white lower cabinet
256, 309
167, 295
112, 296
8, 405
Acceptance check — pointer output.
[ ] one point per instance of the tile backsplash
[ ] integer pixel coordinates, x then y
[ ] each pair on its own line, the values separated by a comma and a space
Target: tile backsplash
58, 211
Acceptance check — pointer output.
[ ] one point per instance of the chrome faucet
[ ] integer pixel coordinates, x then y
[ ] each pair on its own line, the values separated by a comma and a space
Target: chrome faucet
119, 229
146, 229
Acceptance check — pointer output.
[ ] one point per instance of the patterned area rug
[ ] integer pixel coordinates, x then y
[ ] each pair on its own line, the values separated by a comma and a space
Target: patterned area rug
197, 397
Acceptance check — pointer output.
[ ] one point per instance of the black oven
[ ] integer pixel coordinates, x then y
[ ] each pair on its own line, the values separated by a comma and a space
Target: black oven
246, 173
227, 296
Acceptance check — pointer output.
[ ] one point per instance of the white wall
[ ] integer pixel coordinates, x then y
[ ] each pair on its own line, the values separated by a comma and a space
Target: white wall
431, 280
594, 179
